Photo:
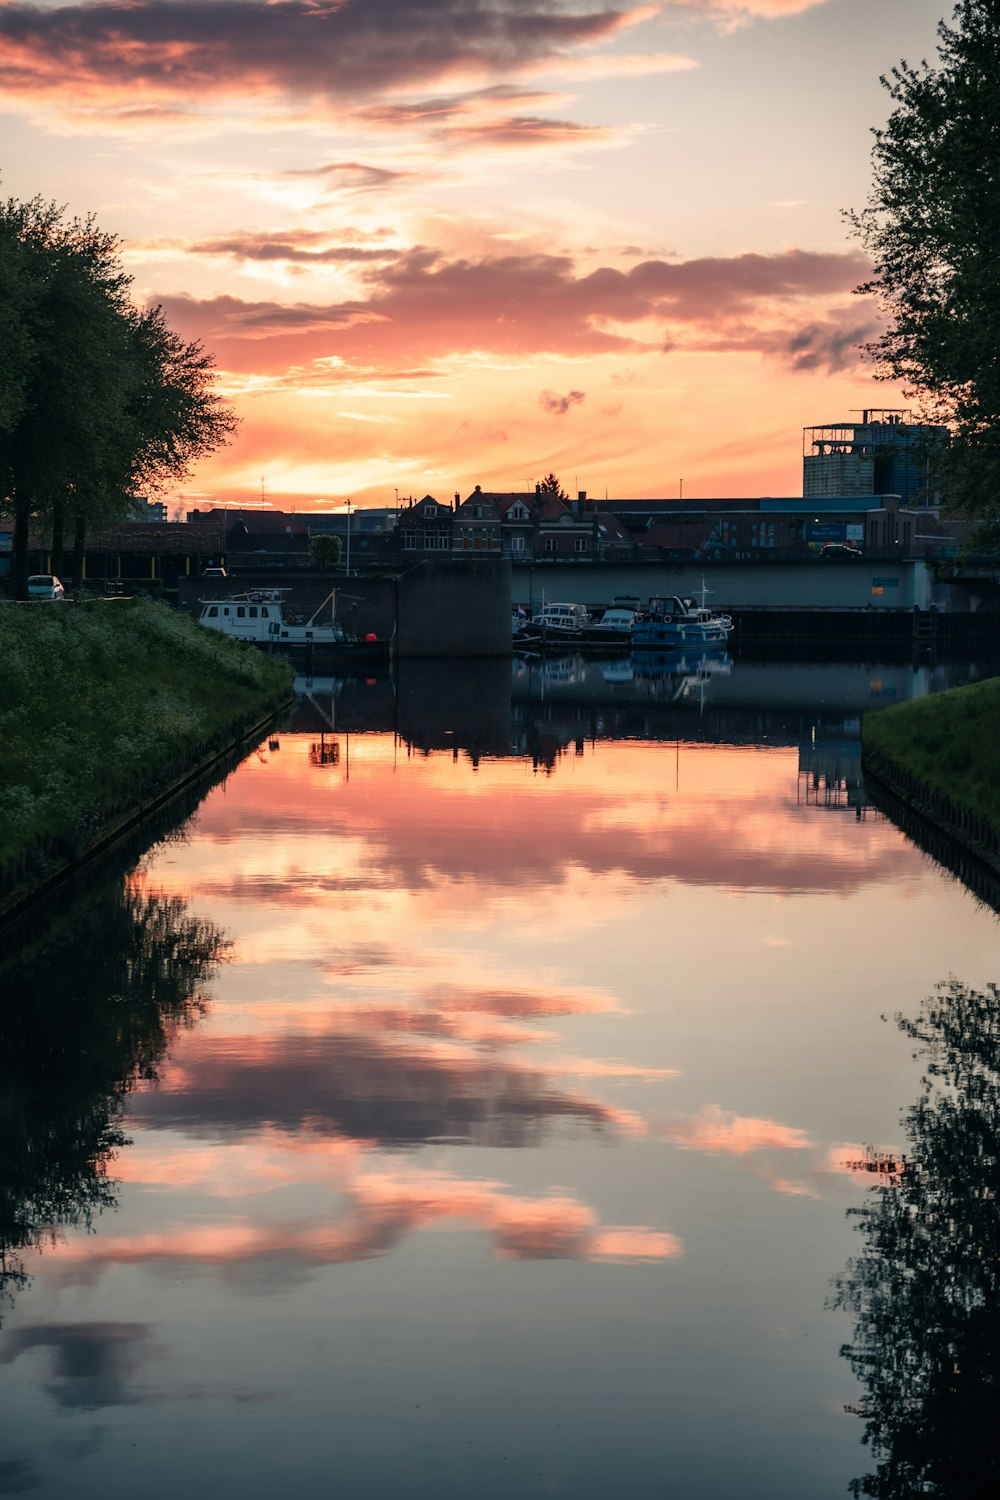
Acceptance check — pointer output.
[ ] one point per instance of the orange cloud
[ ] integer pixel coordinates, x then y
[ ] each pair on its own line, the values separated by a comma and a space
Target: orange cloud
425, 307
718, 1131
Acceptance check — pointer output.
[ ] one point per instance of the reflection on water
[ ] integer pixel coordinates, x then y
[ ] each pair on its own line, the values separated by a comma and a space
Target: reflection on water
925, 1290
90, 1008
511, 1155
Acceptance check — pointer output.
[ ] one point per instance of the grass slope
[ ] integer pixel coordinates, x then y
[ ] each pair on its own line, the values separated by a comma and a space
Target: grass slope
950, 741
102, 703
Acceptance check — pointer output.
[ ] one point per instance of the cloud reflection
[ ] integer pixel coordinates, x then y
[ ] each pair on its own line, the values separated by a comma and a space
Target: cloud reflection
383, 1207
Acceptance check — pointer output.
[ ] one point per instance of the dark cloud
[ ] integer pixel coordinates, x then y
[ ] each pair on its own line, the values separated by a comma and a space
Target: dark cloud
199, 50
517, 131
367, 1087
297, 246
551, 401
92, 1364
17, 1475
350, 176
832, 345
397, 115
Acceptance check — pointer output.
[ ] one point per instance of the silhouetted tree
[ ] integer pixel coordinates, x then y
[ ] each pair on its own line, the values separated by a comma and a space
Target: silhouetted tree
931, 227
99, 400
925, 1292
551, 486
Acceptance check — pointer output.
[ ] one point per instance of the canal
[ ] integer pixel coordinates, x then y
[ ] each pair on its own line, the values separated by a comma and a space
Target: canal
505, 1084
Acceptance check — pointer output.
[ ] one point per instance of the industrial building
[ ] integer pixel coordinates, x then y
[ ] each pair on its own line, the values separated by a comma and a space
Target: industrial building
886, 453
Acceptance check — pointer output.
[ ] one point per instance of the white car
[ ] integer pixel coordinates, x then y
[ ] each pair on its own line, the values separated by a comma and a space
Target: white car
45, 586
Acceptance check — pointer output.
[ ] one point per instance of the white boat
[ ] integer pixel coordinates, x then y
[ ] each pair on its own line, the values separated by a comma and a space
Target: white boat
672, 621
617, 622
559, 622
265, 618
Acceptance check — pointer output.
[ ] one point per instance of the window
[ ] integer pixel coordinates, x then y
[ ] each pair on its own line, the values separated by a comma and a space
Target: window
517, 544
550, 544
240, 613
253, 612
581, 544
410, 541
213, 612
263, 613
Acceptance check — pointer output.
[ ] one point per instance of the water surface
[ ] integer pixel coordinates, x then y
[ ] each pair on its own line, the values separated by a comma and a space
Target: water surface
473, 1100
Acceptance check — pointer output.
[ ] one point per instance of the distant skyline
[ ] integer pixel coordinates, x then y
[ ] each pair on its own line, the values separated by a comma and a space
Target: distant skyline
439, 243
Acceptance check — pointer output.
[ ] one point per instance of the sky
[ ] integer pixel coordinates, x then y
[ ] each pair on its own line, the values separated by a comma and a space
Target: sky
438, 243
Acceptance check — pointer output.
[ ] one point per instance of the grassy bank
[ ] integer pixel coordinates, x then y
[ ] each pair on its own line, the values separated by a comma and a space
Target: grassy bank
947, 741
101, 706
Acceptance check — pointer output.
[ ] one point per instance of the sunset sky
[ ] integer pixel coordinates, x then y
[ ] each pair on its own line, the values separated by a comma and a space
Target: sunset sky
435, 243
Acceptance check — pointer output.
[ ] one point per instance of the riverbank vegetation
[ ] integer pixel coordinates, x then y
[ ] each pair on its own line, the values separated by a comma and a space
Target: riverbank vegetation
948, 742
103, 705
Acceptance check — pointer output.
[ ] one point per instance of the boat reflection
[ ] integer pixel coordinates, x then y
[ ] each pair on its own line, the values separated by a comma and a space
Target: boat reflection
925, 1289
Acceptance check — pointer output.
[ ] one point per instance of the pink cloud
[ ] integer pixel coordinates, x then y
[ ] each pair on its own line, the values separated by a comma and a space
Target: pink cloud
425, 306
384, 1208
718, 1131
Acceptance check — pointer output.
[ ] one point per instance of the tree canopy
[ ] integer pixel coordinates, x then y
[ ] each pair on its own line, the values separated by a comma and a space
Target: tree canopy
324, 550
925, 1289
100, 400
551, 486
932, 228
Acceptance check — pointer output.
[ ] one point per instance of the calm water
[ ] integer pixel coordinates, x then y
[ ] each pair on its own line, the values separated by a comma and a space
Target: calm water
472, 1102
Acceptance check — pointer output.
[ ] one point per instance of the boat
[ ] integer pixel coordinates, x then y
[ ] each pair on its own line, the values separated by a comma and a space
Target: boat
558, 622
674, 621
264, 617
617, 622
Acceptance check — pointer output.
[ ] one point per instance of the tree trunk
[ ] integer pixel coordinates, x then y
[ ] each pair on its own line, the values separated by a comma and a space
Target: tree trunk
58, 530
79, 542
22, 517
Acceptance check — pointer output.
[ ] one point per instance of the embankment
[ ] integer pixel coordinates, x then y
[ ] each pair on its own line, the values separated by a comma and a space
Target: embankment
940, 757
107, 709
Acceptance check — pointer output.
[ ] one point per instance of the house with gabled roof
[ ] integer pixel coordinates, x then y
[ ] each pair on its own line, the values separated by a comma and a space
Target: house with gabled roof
476, 529
424, 529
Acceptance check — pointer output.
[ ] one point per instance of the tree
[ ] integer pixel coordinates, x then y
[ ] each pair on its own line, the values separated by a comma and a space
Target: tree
925, 1290
551, 486
99, 400
932, 227
324, 551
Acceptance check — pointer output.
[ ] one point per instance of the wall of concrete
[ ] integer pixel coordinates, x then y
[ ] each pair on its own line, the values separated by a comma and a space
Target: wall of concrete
789, 585
454, 609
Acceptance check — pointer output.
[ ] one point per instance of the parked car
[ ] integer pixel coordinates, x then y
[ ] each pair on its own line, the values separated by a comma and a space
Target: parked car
838, 551
45, 586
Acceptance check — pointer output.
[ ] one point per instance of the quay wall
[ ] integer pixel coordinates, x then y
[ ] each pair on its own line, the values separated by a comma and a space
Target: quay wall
447, 608
454, 609
842, 585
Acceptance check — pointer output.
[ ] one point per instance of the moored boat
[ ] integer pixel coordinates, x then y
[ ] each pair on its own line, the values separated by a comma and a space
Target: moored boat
672, 621
558, 622
264, 617
617, 623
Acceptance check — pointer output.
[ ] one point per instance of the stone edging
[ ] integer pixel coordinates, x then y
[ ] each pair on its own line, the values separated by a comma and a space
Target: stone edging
974, 835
